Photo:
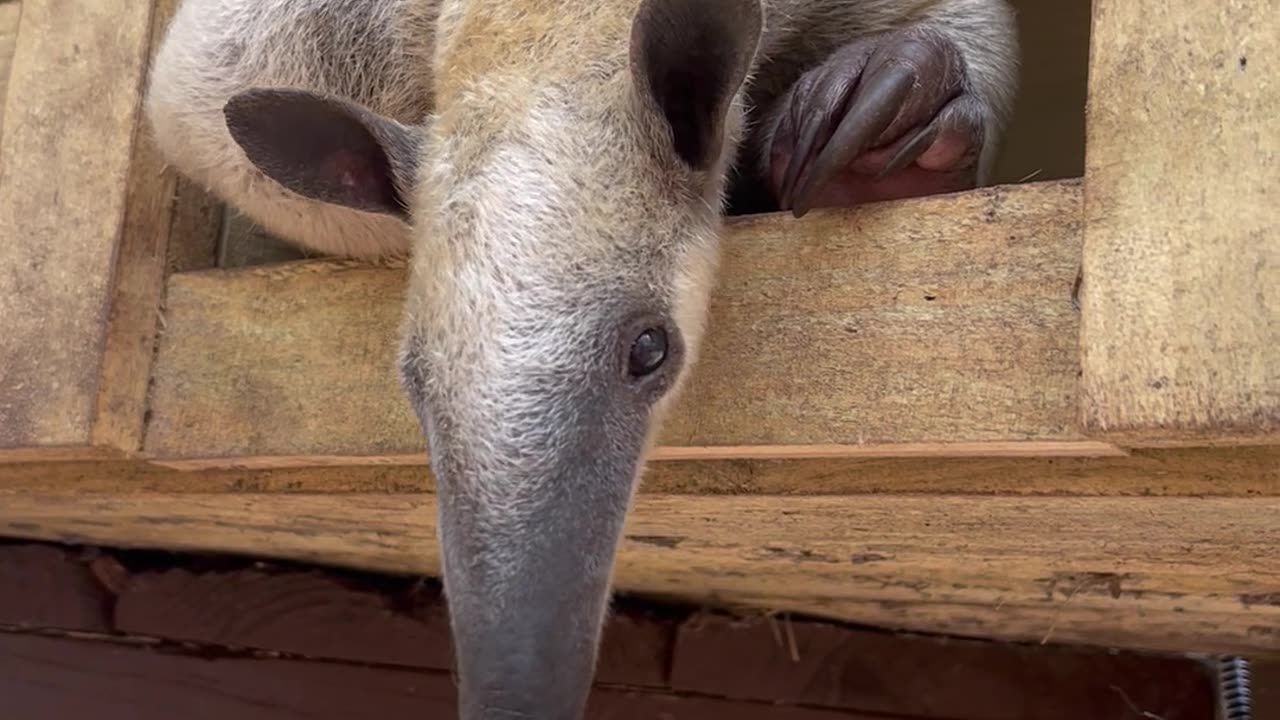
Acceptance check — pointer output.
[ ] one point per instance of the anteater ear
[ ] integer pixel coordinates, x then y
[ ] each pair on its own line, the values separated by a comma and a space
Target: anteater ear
326, 148
691, 57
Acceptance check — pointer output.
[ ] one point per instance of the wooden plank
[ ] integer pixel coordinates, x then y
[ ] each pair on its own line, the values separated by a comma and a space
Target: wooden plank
1181, 310
936, 326
1245, 471
50, 587
65, 157
10, 12
44, 678
805, 663
219, 606
1187, 574
141, 265
1266, 688
317, 615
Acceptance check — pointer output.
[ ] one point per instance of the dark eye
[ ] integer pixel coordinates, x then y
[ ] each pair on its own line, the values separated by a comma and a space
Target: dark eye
647, 352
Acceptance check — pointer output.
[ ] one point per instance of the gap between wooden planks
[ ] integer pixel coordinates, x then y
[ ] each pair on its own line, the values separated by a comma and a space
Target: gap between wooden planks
1184, 574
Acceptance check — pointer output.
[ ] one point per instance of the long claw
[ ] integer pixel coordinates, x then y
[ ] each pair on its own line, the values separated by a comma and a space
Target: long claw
909, 151
872, 110
799, 156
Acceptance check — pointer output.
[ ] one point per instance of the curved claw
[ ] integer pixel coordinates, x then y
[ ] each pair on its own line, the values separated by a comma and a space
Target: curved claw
803, 149
874, 107
909, 151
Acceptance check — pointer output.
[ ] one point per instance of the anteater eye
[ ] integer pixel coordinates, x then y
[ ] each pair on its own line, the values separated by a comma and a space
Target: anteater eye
647, 352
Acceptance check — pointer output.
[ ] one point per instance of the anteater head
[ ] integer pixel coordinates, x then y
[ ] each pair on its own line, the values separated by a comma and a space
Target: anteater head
565, 196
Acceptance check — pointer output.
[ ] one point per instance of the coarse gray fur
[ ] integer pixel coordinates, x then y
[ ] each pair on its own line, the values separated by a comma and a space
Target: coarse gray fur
558, 200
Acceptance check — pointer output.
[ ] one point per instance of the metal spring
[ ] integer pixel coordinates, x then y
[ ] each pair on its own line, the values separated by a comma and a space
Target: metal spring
1235, 699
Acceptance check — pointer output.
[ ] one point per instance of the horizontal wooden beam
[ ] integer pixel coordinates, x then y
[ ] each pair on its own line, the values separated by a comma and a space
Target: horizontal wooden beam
940, 326
1199, 472
1186, 574
1181, 293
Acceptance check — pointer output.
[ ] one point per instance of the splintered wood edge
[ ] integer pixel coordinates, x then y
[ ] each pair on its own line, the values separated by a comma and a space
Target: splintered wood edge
1119, 572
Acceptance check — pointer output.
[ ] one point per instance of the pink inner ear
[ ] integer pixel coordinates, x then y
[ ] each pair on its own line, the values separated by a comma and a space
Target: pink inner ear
350, 171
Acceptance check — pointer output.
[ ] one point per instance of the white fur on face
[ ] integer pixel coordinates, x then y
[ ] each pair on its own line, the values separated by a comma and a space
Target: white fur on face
543, 246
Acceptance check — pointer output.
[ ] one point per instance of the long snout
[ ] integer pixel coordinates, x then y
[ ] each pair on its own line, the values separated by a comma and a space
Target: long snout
527, 577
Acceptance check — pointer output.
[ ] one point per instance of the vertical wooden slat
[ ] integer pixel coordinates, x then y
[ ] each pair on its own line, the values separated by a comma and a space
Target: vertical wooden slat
10, 12
1181, 295
70, 114
152, 205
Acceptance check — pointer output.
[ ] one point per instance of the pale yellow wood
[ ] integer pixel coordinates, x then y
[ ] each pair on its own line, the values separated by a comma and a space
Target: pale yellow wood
1181, 296
70, 112
10, 12
928, 326
1186, 574
1247, 471
140, 268
1016, 449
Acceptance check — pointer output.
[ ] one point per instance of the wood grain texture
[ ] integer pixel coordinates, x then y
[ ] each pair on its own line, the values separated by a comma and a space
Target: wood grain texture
10, 12
927, 326
1181, 299
65, 155
1184, 574
141, 265
1244, 471
195, 228
315, 615
54, 678
805, 663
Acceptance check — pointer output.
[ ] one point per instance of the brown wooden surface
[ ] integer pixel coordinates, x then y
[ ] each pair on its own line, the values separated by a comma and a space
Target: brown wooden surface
897, 328
1266, 688
1181, 304
141, 265
210, 623
10, 12
195, 228
51, 587
315, 615
1241, 471
64, 172
1164, 573
779, 660
54, 679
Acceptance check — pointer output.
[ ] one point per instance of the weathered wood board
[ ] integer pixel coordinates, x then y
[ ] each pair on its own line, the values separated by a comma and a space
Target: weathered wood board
940, 326
1197, 472
222, 608
1181, 297
64, 172
10, 12
1186, 574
